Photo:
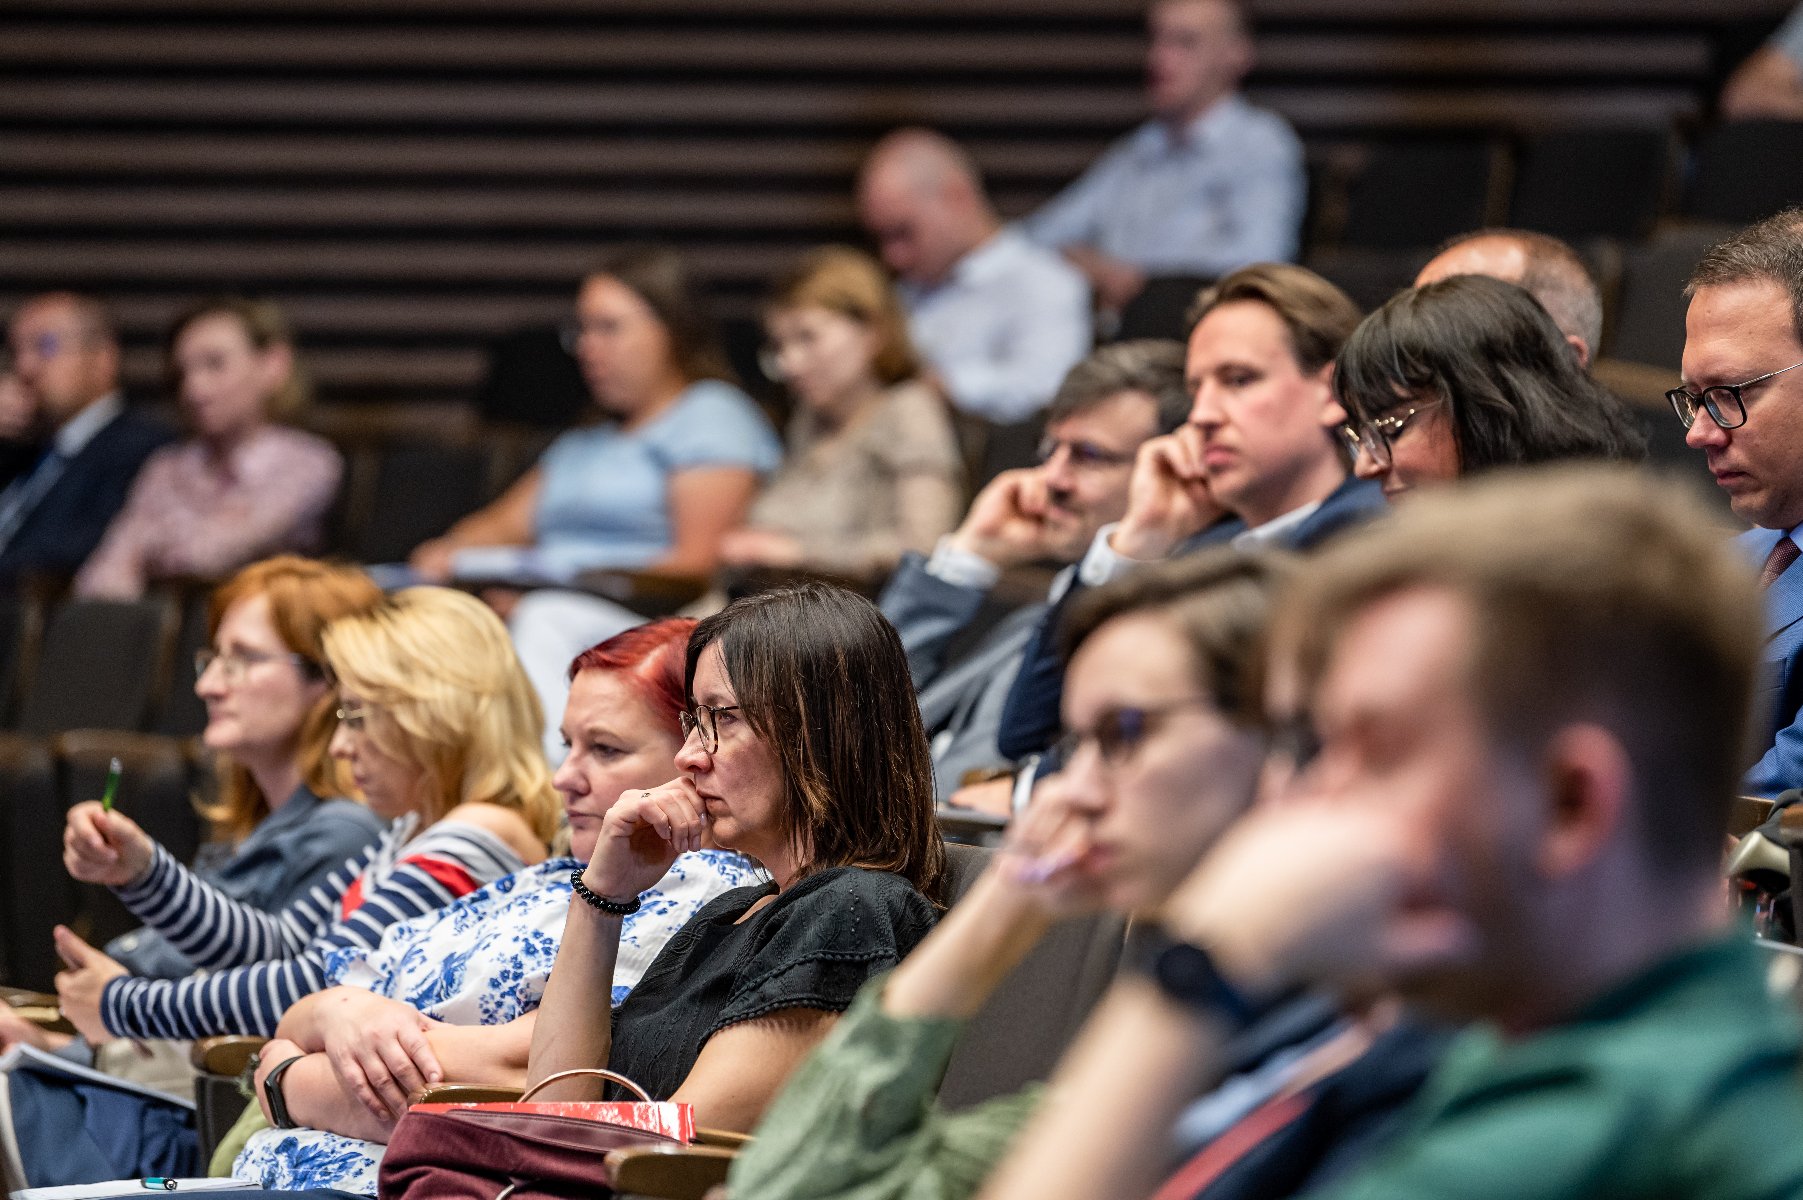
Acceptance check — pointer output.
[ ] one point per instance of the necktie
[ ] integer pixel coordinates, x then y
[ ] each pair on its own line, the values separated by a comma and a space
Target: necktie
1782, 556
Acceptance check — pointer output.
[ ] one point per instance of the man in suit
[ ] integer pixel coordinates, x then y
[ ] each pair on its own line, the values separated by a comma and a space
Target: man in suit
66, 359
1740, 401
1107, 407
1259, 463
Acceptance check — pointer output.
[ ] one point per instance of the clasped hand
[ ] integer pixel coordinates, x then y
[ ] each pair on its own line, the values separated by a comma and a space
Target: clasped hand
377, 1047
642, 834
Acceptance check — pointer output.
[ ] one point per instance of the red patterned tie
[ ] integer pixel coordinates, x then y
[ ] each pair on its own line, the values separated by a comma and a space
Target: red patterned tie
1782, 556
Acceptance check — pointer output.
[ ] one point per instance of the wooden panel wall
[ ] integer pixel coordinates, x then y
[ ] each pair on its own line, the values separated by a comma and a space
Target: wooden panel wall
413, 177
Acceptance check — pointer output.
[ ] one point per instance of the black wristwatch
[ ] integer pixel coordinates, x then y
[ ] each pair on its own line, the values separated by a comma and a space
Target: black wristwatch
1187, 974
272, 1093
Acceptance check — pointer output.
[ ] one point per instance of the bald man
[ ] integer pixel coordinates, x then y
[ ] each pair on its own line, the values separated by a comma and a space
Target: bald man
1208, 185
1547, 268
1000, 319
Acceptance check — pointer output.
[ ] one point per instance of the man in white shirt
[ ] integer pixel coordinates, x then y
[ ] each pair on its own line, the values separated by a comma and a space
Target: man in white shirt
1208, 185
999, 318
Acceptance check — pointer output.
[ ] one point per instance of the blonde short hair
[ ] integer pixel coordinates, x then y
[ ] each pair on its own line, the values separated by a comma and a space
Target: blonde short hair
852, 284
449, 697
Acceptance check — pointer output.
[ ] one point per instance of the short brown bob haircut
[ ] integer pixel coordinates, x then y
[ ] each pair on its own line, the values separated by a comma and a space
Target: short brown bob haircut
823, 680
1596, 594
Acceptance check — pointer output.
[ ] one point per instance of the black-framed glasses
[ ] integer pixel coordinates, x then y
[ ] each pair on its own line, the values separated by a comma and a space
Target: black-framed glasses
1375, 437
706, 718
1084, 456
1723, 401
234, 663
1119, 732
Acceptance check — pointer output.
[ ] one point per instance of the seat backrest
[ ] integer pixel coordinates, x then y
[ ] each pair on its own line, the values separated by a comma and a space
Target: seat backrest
102, 665
1020, 1034
1418, 192
419, 492
1649, 314
181, 713
1744, 171
35, 892
1161, 310
1586, 183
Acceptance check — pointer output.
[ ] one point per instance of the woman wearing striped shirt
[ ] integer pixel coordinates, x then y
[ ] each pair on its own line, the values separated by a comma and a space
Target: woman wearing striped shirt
439, 728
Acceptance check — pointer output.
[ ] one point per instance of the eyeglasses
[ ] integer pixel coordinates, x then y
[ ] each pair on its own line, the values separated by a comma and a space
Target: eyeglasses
353, 716
234, 663
1376, 436
1084, 456
706, 718
1119, 732
1718, 399
1294, 741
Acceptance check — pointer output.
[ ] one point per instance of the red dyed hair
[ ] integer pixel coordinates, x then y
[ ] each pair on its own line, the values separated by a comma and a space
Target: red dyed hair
651, 656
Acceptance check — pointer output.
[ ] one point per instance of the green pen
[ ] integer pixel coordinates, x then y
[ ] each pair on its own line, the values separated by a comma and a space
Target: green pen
113, 771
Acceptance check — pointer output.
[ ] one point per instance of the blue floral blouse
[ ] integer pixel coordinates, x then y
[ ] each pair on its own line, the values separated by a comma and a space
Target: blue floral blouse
482, 960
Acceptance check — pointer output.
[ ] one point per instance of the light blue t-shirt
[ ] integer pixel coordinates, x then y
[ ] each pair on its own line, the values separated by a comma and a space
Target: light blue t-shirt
1788, 41
604, 496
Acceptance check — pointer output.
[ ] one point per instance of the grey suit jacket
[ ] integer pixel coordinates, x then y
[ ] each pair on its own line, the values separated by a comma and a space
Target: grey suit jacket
961, 702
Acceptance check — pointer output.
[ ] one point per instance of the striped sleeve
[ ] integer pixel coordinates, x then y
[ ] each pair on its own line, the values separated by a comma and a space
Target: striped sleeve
447, 861
216, 931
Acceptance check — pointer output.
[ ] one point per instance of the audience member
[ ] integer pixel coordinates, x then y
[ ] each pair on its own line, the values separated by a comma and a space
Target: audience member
1108, 405
243, 486
1743, 339
1770, 82
659, 481
1545, 267
999, 319
424, 1003
279, 824
66, 358
1466, 375
1513, 747
1258, 464
804, 751
1208, 185
19, 432
1169, 746
438, 729
873, 466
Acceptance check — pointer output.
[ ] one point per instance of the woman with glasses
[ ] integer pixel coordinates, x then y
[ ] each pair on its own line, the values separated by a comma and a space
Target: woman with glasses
672, 465
1465, 375
804, 751
278, 824
439, 731
873, 466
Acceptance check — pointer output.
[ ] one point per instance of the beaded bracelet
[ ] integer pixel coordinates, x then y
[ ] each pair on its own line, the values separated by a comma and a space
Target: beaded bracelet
605, 905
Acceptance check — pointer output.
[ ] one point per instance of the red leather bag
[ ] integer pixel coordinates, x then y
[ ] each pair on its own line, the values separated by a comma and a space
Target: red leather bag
524, 1150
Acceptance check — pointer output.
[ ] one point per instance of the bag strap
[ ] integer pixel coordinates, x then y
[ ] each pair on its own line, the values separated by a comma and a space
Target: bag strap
603, 1073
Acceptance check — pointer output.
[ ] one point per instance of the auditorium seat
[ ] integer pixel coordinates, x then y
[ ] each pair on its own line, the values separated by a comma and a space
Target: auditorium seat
35, 892
1742, 171
1581, 182
1411, 192
103, 665
1647, 324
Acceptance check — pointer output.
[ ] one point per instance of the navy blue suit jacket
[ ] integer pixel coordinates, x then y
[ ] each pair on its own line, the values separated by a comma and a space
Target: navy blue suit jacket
1780, 702
1031, 718
63, 528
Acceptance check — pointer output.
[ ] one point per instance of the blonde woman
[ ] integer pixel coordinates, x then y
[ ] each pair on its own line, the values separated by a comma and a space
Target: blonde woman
242, 485
873, 466
439, 729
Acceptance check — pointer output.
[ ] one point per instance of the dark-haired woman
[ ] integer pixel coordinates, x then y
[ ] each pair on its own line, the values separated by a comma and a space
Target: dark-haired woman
804, 750
1465, 375
656, 485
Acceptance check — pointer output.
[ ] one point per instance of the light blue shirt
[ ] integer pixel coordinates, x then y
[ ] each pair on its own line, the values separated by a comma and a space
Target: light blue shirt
1003, 328
1227, 192
1788, 41
604, 493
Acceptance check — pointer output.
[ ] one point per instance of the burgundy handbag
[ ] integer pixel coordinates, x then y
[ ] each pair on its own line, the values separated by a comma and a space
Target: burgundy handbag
523, 1151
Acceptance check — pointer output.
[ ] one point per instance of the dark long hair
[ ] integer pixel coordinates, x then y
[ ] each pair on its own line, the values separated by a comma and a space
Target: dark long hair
660, 277
1515, 391
822, 679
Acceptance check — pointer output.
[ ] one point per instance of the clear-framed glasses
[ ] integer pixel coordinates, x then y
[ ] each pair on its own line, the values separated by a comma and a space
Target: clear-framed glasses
706, 718
354, 716
1723, 401
1119, 732
1375, 436
1084, 456
234, 663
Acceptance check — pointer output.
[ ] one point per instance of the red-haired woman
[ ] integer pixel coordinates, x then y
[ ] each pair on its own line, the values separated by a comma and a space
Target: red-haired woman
462, 985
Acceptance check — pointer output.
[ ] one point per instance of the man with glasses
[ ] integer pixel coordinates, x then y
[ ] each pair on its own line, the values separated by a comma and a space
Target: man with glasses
1259, 463
1741, 403
1108, 406
65, 358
